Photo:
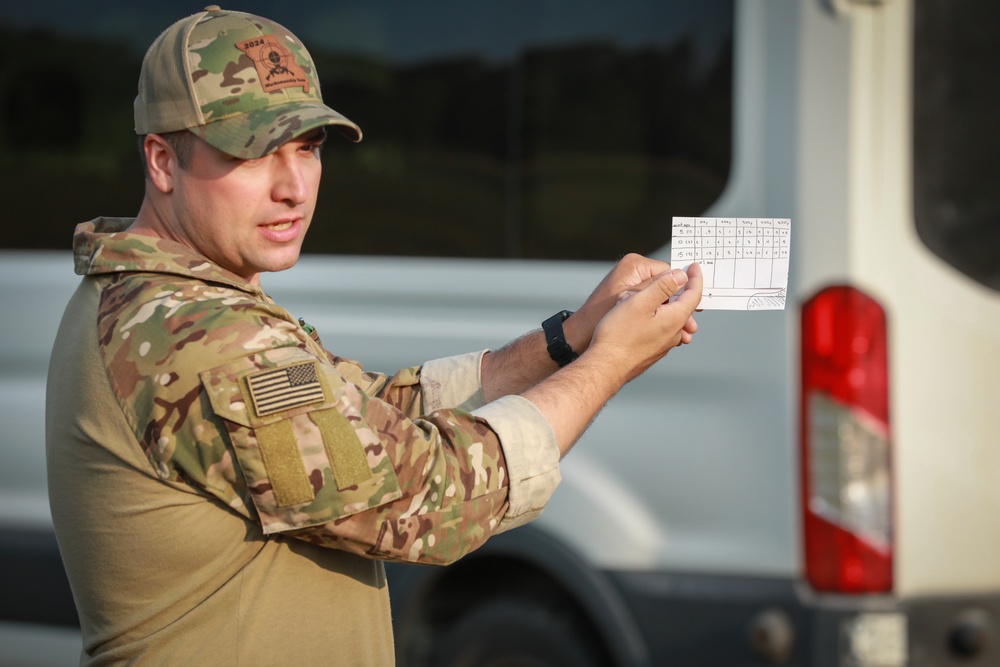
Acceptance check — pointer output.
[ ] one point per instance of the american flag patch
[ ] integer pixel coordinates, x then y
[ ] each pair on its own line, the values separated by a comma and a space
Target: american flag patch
284, 388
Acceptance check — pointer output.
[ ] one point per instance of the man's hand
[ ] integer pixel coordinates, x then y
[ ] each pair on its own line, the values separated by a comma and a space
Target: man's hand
525, 362
638, 330
642, 327
631, 273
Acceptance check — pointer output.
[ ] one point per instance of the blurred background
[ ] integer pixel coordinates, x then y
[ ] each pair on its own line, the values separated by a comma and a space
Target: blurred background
491, 129
812, 487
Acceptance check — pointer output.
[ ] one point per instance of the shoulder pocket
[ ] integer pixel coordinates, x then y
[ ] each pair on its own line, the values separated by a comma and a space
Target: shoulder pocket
306, 452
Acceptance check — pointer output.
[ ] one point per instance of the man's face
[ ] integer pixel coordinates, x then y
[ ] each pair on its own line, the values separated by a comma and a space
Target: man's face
248, 216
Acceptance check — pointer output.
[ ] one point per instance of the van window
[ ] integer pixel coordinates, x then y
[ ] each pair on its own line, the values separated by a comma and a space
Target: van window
956, 103
527, 128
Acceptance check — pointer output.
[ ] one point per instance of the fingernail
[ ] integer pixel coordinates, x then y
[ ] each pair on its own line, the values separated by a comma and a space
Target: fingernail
680, 277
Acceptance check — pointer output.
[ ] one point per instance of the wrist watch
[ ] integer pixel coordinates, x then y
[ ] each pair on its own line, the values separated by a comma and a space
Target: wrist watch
558, 348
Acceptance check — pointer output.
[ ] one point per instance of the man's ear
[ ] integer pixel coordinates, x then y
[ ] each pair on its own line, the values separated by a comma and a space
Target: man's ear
161, 162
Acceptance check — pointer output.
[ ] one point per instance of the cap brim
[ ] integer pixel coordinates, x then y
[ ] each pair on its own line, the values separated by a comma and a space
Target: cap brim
258, 133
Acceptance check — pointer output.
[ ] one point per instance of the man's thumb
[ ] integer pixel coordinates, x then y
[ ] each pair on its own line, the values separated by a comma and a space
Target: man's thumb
664, 286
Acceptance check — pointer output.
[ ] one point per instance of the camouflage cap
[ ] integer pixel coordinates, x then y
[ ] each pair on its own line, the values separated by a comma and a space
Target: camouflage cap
243, 83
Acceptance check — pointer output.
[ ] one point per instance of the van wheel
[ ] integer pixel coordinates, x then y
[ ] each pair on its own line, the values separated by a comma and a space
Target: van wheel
515, 633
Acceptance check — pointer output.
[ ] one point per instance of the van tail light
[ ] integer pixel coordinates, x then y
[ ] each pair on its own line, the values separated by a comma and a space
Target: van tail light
845, 447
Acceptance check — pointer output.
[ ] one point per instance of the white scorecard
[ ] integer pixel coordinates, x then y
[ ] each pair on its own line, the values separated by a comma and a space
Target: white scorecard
744, 260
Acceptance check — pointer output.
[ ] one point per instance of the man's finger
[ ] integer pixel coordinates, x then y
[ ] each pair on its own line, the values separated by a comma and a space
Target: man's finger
644, 270
624, 295
646, 282
664, 286
691, 296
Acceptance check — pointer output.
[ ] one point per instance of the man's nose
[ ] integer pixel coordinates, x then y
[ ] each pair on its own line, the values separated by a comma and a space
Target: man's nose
290, 183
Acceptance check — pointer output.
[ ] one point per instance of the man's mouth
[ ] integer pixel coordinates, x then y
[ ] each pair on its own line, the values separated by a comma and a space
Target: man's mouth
278, 226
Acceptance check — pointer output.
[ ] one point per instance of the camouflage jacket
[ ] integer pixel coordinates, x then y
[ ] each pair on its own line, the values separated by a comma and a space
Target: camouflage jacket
228, 393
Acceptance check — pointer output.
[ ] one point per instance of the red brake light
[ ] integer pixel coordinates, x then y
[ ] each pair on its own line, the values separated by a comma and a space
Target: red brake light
845, 450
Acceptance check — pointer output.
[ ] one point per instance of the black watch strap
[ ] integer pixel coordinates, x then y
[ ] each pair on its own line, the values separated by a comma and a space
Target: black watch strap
555, 339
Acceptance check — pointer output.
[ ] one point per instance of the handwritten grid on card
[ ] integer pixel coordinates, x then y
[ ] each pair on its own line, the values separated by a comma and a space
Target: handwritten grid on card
744, 260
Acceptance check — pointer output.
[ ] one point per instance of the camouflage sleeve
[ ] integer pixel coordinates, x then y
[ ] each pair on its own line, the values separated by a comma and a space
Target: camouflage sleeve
231, 397
453, 382
334, 466
441, 484
528, 441
531, 453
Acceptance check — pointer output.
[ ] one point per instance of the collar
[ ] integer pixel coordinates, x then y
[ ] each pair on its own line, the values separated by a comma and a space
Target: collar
102, 246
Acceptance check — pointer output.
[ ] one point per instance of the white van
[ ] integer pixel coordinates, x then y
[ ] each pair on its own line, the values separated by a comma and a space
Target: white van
813, 486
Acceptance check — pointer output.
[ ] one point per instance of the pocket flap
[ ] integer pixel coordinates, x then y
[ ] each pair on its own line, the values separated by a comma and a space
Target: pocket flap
308, 458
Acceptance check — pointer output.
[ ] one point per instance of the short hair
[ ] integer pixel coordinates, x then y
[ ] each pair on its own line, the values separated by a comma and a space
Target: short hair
181, 142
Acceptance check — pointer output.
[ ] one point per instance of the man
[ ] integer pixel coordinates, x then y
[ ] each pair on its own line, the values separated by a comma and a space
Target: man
222, 487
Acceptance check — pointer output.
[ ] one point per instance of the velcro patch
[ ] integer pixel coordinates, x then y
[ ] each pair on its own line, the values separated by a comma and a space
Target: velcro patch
284, 388
343, 448
280, 453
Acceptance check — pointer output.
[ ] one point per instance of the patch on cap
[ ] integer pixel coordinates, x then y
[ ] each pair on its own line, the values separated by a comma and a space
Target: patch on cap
276, 66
